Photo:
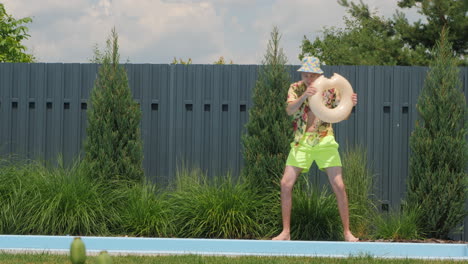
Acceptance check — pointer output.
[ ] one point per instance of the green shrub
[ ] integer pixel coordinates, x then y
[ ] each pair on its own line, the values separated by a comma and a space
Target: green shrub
221, 208
359, 182
14, 193
61, 201
398, 225
54, 201
145, 212
314, 214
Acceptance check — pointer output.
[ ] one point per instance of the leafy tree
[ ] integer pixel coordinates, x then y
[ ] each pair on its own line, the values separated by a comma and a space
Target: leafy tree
369, 39
221, 60
113, 147
13, 32
439, 149
266, 144
181, 61
439, 14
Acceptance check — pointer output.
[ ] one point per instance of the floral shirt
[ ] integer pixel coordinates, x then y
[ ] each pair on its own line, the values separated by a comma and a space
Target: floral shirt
322, 129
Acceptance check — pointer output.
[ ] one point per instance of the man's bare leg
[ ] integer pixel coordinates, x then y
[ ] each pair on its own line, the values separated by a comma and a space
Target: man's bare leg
287, 182
336, 181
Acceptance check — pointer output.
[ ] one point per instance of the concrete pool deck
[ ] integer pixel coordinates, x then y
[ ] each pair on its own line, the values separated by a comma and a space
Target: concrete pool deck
229, 247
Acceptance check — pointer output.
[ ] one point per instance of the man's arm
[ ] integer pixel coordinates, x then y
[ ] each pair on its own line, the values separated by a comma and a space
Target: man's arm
294, 102
294, 105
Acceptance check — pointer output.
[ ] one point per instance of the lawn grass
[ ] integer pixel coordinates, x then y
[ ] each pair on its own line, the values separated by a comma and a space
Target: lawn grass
6, 258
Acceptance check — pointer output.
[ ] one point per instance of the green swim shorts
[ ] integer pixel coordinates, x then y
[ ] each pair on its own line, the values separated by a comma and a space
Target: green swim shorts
325, 153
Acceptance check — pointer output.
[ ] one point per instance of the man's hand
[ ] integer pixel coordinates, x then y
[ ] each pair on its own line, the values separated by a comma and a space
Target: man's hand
309, 92
354, 99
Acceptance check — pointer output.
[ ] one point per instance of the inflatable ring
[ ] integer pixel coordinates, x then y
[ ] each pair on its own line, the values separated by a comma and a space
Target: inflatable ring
345, 106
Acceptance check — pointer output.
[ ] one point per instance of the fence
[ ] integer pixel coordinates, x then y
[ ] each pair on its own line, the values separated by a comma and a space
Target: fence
196, 114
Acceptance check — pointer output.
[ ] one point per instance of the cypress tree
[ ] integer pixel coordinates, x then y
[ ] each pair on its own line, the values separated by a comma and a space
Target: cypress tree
113, 147
269, 132
438, 143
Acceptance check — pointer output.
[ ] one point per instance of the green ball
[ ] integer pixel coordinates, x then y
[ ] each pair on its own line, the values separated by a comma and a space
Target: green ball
104, 258
77, 251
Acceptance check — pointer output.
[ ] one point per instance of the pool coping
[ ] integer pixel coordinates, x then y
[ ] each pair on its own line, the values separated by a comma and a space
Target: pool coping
232, 247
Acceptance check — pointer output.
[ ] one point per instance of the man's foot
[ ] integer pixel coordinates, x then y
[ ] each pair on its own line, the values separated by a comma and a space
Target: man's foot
283, 236
349, 237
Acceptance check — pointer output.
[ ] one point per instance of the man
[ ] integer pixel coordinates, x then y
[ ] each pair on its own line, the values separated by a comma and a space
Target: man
313, 140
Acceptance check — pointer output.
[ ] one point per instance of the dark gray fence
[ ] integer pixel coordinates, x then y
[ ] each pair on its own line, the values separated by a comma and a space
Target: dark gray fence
196, 114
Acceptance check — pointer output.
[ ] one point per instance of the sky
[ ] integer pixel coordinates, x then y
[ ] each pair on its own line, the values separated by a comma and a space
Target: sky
156, 31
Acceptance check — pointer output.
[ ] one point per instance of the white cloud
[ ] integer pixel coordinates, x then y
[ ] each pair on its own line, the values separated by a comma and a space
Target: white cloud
181, 29
155, 31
